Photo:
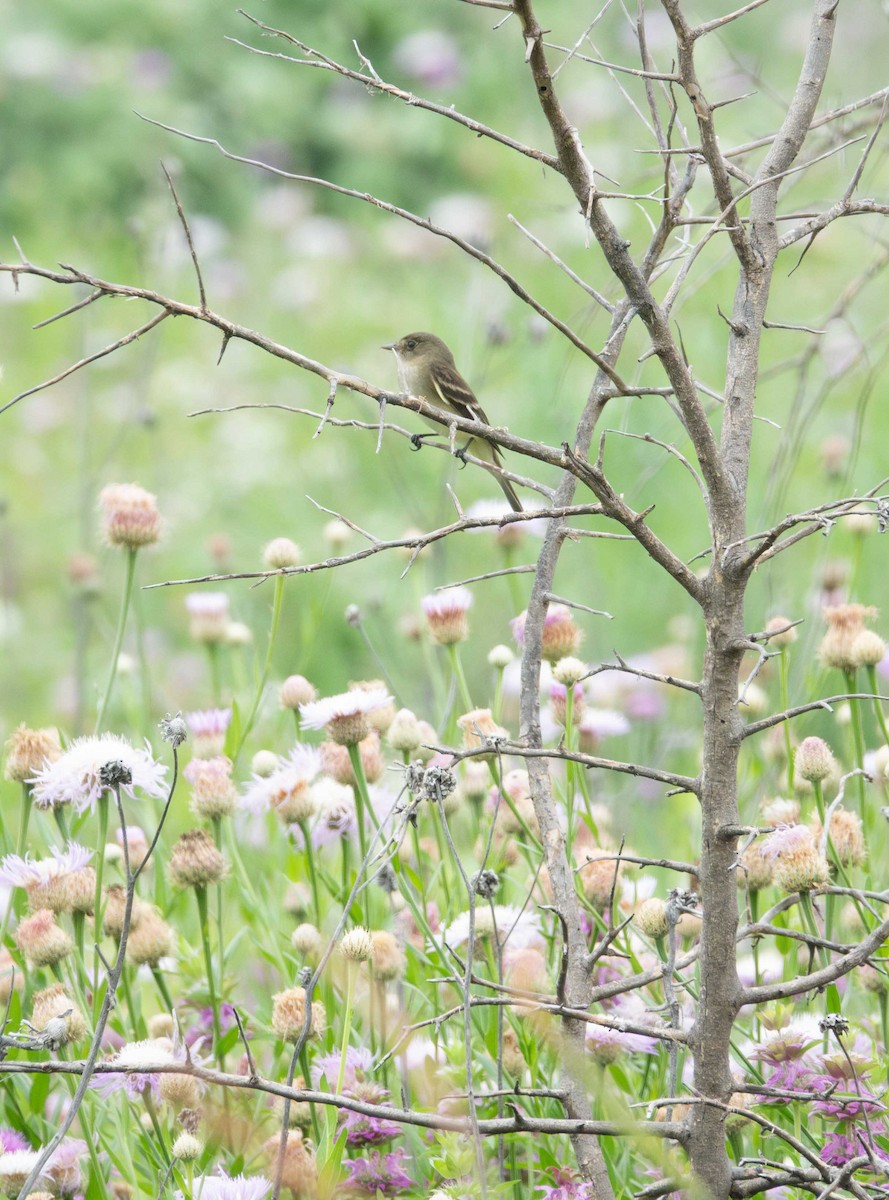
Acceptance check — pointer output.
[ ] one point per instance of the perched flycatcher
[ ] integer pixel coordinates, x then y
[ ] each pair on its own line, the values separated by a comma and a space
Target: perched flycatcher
426, 369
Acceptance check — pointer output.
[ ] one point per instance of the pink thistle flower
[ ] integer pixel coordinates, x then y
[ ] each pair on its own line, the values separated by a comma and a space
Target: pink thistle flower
74, 778
447, 615
152, 1052
208, 727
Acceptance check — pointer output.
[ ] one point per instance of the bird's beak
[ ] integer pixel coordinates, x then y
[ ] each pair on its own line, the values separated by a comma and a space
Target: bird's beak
389, 346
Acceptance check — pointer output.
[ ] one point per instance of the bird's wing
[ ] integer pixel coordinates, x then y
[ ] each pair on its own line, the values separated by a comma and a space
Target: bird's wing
454, 392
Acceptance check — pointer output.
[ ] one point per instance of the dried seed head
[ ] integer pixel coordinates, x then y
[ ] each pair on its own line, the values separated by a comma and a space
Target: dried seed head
151, 940
173, 729
846, 836
298, 1170
179, 1091
387, 957
755, 872
53, 1004
844, 623
29, 751
797, 863
336, 763
781, 632
41, 940
289, 1015
195, 861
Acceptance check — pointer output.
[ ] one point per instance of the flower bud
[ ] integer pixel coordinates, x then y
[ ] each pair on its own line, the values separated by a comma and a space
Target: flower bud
868, 648
569, 670
187, 1147
786, 637
282, 552
403, 733
356, 945
130, 518
306, 940
814, 760
500, 656
447, 615
387, 957
651, 918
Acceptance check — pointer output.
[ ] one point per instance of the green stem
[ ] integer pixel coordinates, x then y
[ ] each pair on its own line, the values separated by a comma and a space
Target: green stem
878, 707
27, 805
162, 988
313, 874
220, 936
457, 667
97, 902
785, 704
362, 806
215, 678
858, 739
497, 706
118, 639
307, 1079
201, 897
351, 968
277, 604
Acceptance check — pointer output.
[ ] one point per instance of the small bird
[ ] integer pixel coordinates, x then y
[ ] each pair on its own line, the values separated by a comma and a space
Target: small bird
426, 369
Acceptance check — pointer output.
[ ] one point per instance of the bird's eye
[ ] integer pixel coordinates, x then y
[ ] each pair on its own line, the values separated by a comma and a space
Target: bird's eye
412, 345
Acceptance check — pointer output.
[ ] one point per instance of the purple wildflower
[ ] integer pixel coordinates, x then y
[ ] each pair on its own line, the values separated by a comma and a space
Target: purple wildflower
567, 1185
378, 1173
359, 1061
362, 1130
202, 1029
10, 1140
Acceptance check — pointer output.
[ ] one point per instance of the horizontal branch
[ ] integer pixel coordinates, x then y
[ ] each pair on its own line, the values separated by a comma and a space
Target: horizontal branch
766, 992
414, 542
494, 1127
789, 713
621, 665
423, 223
374, 83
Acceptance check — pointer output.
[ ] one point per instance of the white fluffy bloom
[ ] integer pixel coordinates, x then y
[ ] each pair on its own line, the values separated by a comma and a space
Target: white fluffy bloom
516, 929
225, 1187
16, 871
318, 713
298, 769
74, 778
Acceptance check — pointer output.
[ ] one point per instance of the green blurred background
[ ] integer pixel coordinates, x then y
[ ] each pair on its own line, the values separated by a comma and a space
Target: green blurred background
334, 278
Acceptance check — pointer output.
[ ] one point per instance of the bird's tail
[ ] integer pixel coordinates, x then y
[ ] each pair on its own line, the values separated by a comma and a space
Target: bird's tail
510, 493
